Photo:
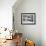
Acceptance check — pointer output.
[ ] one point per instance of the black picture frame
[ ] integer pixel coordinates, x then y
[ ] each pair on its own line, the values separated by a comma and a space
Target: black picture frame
28, 18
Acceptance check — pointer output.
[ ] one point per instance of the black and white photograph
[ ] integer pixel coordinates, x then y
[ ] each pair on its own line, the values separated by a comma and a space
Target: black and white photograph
28, 18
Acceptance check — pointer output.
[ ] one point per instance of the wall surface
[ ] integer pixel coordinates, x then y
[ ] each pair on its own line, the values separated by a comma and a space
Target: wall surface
6, 13
43, 22
32, 32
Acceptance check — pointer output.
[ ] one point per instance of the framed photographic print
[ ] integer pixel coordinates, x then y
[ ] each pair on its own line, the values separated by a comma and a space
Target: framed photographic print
28, 18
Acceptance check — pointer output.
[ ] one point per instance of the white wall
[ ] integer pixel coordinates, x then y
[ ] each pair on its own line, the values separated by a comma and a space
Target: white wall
30, 31
43, 22
6, 13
